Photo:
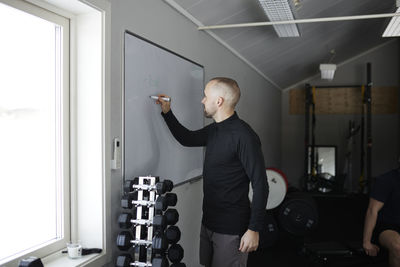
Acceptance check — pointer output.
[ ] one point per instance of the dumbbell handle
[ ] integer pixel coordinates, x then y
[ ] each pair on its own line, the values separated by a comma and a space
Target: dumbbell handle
144, 187
146, 203
140, 242
141, 264
142, 222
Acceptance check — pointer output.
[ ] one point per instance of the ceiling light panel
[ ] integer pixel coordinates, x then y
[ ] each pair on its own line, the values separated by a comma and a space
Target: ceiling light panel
393, 29
327, 71
278, 10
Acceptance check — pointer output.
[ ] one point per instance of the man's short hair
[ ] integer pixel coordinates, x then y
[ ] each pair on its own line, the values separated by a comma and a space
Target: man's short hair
230, 88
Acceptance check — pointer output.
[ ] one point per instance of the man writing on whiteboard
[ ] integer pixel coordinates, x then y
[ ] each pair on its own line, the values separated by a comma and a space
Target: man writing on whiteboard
230, 225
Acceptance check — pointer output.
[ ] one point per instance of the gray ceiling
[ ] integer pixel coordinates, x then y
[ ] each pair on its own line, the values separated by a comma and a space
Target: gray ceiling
286, 61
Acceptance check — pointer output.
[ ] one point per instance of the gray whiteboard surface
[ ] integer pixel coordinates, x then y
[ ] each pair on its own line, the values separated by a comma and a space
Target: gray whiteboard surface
149, 147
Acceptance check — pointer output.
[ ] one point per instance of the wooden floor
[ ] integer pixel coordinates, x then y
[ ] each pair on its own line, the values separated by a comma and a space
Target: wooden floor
341, 219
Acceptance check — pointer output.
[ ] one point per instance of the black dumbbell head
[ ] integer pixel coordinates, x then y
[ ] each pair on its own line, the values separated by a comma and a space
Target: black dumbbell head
173, 234
128, 185
159, 262
160, 188
126, 200
180, 264
175, 253
172, 216
159, 244
159, 222
172, 199
123, 260
164, 186
169, 185
124, 220
161, 203
124, 240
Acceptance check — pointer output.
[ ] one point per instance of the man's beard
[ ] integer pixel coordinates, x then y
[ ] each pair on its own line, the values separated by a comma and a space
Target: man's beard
207, 115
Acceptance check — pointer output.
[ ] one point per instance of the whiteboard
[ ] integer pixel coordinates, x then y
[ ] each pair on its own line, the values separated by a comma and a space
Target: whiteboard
148, 145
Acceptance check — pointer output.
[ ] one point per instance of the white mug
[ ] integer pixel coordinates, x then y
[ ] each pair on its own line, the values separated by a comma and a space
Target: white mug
74, 250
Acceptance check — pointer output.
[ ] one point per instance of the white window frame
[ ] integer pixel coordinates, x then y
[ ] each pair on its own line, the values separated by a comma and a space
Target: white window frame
64, 23
87, 210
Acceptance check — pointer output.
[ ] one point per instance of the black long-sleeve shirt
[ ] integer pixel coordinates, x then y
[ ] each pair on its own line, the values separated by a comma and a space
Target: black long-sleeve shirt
233, 158
386, 189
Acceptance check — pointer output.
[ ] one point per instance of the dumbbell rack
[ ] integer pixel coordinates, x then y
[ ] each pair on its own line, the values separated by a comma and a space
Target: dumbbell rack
139, 211
143, 195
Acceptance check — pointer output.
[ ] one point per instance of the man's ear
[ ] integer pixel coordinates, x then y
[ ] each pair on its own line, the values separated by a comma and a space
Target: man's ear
220, 101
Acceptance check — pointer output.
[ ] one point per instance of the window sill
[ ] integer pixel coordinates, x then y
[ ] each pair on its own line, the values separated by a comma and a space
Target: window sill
59, 259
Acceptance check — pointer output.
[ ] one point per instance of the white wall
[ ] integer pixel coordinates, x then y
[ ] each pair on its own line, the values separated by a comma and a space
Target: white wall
332, 129
260, 105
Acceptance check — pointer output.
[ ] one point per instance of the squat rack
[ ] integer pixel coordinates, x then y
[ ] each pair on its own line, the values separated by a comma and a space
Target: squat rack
310, 99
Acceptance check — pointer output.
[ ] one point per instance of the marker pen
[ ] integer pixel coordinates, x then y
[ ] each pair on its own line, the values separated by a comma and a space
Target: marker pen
168, 99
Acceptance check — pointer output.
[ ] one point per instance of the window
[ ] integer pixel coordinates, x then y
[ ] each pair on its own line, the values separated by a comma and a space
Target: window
34, 135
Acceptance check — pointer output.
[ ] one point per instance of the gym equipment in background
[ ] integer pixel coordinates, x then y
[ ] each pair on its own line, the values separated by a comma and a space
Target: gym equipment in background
278, 186
298, 214
348, 166
145, 241
323, 175
310, 178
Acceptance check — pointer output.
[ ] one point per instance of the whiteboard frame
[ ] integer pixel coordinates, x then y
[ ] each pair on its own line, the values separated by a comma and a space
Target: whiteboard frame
190, 180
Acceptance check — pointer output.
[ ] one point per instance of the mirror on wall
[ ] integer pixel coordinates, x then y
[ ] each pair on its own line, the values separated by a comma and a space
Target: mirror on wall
324, 159
323, 167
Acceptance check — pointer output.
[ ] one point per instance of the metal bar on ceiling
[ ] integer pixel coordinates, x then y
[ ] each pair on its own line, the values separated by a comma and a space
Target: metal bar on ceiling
299, 21
336, 86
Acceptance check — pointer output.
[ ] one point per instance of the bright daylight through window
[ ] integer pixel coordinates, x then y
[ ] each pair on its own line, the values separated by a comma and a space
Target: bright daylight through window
33, 140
